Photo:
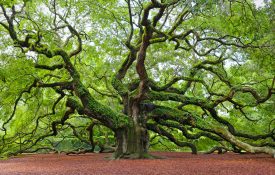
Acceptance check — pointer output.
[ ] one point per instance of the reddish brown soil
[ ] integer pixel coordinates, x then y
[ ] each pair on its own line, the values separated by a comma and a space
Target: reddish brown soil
175, 163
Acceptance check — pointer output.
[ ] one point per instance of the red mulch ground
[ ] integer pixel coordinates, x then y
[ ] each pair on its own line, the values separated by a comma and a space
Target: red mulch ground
175, 163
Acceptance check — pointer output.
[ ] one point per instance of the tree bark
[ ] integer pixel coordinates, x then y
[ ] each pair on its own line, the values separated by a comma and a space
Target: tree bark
133, 141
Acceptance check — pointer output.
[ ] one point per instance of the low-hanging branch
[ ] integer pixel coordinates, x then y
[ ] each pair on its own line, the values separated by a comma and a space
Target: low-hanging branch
163, 132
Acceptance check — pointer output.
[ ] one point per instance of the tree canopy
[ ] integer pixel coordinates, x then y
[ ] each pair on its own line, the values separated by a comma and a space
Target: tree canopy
137, 73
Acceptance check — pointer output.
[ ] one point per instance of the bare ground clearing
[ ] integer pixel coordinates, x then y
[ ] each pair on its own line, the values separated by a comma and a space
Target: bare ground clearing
175, 163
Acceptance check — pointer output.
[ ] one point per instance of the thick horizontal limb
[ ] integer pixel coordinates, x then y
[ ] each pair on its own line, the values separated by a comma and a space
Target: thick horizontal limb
163, 132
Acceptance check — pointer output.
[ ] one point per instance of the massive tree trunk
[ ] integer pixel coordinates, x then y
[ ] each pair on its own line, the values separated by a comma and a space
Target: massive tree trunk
133, 141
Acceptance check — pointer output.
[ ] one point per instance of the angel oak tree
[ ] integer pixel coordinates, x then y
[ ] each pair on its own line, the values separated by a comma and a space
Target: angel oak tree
204, 69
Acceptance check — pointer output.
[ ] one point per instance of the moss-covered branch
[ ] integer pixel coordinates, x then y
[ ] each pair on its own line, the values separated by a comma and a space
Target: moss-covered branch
166, 96
158, 129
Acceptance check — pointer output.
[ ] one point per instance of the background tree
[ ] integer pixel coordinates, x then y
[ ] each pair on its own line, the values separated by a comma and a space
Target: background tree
184, 70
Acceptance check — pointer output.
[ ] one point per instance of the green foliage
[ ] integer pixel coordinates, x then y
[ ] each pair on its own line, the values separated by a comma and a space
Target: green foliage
230, 47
